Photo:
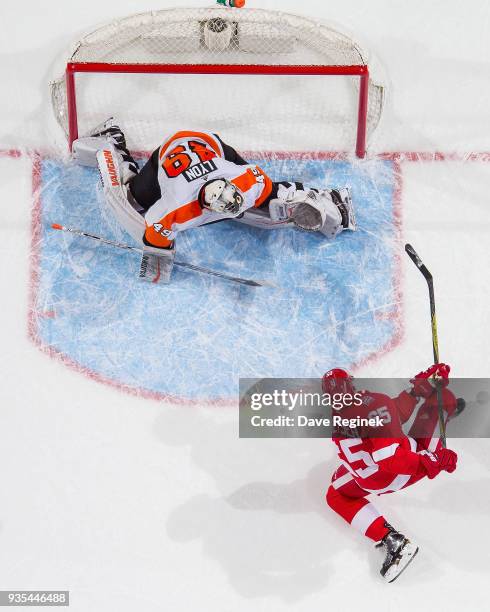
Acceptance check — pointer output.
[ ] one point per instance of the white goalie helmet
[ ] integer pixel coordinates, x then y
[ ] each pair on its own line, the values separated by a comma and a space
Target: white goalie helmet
222, 196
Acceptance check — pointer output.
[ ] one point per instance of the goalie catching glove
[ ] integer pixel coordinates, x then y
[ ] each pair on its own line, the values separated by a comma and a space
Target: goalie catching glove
329, 212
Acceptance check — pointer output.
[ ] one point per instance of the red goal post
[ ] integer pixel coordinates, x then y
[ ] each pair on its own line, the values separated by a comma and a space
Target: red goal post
217, 43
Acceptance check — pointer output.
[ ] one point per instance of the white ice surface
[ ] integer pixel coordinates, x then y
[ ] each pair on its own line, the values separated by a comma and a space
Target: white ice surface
136, 505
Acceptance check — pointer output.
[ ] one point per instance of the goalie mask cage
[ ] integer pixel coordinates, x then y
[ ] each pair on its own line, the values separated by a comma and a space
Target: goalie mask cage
265, 80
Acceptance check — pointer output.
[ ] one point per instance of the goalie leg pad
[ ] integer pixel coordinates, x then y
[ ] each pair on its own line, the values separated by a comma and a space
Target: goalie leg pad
115, 194
84, 150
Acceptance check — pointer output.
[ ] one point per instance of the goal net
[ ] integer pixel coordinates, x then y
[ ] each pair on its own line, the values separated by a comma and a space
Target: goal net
264, 80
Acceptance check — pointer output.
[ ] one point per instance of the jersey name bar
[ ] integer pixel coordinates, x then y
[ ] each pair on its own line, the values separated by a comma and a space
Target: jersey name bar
199, 170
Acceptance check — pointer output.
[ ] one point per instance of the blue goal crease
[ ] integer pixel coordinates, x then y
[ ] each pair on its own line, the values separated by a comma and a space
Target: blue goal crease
332, 304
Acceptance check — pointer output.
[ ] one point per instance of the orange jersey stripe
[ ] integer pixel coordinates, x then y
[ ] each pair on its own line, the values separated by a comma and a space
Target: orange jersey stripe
248, 179
188, 134
153, 238
180, 215
245, 181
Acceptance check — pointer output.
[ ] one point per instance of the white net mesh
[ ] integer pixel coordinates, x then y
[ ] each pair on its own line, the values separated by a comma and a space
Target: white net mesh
254, 112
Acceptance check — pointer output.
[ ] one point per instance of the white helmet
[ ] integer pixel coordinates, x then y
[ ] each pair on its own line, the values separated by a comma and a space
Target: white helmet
222, 196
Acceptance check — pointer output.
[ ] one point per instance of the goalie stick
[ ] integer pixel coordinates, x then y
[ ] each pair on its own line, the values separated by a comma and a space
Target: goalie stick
435, 344
181, 264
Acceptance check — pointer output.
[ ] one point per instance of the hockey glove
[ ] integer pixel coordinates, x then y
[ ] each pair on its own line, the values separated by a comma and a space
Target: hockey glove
442, 460
422, 385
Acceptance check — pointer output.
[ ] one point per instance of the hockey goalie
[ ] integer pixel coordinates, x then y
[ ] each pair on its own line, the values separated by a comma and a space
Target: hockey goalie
386, 460
195, 179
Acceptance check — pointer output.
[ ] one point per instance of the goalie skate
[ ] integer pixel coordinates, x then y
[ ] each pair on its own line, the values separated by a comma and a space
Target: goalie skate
84, 150
399, 553
343, 200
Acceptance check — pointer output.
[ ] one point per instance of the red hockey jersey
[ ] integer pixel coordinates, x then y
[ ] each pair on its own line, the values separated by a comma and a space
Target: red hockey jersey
383, 459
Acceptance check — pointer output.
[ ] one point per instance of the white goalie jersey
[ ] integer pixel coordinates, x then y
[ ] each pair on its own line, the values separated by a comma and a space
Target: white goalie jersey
186, 162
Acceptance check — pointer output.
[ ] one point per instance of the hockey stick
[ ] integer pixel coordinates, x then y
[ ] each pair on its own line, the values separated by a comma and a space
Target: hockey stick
180, 264
435, 344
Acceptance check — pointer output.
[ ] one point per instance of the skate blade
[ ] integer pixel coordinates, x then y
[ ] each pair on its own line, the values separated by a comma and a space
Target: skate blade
410, 552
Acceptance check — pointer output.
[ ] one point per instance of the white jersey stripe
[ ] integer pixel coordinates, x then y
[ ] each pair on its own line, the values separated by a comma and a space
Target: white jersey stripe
395, 485
384, 453
433, 444
349, 468
365, 518
340, 482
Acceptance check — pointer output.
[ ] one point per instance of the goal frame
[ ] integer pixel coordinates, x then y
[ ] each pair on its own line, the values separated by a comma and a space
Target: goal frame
361, 71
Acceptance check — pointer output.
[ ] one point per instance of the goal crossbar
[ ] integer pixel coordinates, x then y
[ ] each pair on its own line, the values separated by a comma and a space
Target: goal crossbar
361, 71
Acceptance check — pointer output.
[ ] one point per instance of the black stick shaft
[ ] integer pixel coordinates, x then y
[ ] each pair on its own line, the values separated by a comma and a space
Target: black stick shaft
181, 264
411, 252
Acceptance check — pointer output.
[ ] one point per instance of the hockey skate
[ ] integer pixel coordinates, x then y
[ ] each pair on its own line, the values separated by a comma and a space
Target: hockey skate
84, 149
113, 133
399, 553
343, 199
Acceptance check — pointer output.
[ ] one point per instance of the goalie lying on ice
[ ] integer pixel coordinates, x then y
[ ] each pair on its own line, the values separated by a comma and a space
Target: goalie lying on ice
194, 179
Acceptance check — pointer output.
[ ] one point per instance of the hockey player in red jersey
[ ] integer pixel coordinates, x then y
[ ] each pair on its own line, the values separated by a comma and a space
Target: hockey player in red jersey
194, 179
385, 461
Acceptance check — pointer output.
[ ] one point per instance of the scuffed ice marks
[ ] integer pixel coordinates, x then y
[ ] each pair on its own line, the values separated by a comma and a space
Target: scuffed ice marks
335, 302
